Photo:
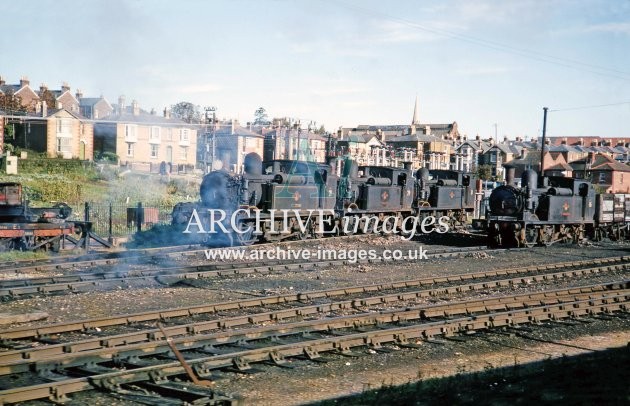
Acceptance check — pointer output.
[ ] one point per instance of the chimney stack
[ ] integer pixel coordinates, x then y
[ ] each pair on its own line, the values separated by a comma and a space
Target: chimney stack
79, 94
42, 88
427, 130
121, 104
2, 81
505, 139
581, 141
167, 113
24, 81
135, 108
65, 87
564, 141
44, 108
477, 138
153, 111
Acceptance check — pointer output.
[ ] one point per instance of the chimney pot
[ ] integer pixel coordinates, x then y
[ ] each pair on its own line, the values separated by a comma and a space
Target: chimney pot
79, 94
65, 87
2, 81
135, 108
24, 81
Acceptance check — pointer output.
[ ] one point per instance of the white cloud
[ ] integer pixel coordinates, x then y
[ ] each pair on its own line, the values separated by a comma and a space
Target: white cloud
616, 28
481, 70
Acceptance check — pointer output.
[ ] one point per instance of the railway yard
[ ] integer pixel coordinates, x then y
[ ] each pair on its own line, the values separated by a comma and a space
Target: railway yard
113, 328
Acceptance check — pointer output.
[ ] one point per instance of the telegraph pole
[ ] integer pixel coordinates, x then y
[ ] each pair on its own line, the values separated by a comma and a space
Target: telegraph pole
213, 110
544, 140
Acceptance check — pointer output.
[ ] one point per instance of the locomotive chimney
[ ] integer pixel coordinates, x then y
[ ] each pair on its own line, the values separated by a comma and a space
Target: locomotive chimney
407, 166
510, 171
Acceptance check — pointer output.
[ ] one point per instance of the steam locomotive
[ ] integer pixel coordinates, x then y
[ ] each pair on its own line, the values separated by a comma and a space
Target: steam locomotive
28, 228
316, 202
546, 210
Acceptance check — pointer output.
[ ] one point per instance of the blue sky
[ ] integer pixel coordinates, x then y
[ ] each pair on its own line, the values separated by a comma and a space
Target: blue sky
340, 62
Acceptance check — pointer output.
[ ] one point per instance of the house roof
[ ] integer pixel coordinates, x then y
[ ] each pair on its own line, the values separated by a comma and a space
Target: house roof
560, 166
143, 118
415, 138
226, 131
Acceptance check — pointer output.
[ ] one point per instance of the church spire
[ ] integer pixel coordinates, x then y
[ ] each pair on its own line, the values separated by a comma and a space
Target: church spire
415, 120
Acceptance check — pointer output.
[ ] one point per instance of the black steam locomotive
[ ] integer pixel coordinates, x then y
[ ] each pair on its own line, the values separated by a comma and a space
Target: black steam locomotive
315, 202
546, 210
27, 228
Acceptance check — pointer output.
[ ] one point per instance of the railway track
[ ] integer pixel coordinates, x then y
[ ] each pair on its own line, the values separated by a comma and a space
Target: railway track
83, 281
83, 261
361, 295
113, 368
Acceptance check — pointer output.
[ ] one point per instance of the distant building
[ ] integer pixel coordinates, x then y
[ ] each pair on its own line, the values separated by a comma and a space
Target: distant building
285, 143
23, 91
64, 99
94, 107
431, 144
609, 175
231, 144
57, 132
143, 140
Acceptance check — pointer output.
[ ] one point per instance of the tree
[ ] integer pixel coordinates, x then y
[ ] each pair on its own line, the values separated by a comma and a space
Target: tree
49, 98
187, 112
484, 172
321, 130
260, 116
11, 103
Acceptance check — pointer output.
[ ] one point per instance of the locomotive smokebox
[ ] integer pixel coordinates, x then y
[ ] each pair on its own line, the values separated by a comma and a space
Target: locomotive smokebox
510, 171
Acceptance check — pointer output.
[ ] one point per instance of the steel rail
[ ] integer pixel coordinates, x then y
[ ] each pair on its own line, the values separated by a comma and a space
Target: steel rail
311, 348
14, 288
112, 258
533, 274
24, 360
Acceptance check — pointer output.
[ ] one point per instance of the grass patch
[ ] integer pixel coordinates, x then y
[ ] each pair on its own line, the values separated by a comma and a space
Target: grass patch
10, 256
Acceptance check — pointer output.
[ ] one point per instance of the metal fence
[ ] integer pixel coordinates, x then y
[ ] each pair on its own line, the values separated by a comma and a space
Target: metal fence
117, 220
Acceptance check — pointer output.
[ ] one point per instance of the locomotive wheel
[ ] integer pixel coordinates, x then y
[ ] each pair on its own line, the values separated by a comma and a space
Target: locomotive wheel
530, 237
248, 237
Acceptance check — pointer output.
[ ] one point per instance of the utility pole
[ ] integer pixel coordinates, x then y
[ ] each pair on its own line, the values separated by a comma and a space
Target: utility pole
544, 140
213, 134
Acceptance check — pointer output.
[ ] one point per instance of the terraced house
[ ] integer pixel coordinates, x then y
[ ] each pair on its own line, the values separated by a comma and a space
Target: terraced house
143, 140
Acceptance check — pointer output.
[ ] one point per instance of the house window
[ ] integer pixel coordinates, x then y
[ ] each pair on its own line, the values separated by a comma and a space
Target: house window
602, 177
493, 158
64, 145
169, 134
154, 150
64, 126
130, 149
130, 131
183, 136
183, 153
155, 133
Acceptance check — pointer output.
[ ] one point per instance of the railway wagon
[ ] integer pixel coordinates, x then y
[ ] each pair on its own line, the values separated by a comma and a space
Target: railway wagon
28, 228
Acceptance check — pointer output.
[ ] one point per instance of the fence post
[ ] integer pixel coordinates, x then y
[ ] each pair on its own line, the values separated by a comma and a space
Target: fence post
110, 238
139, 217
86, 216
